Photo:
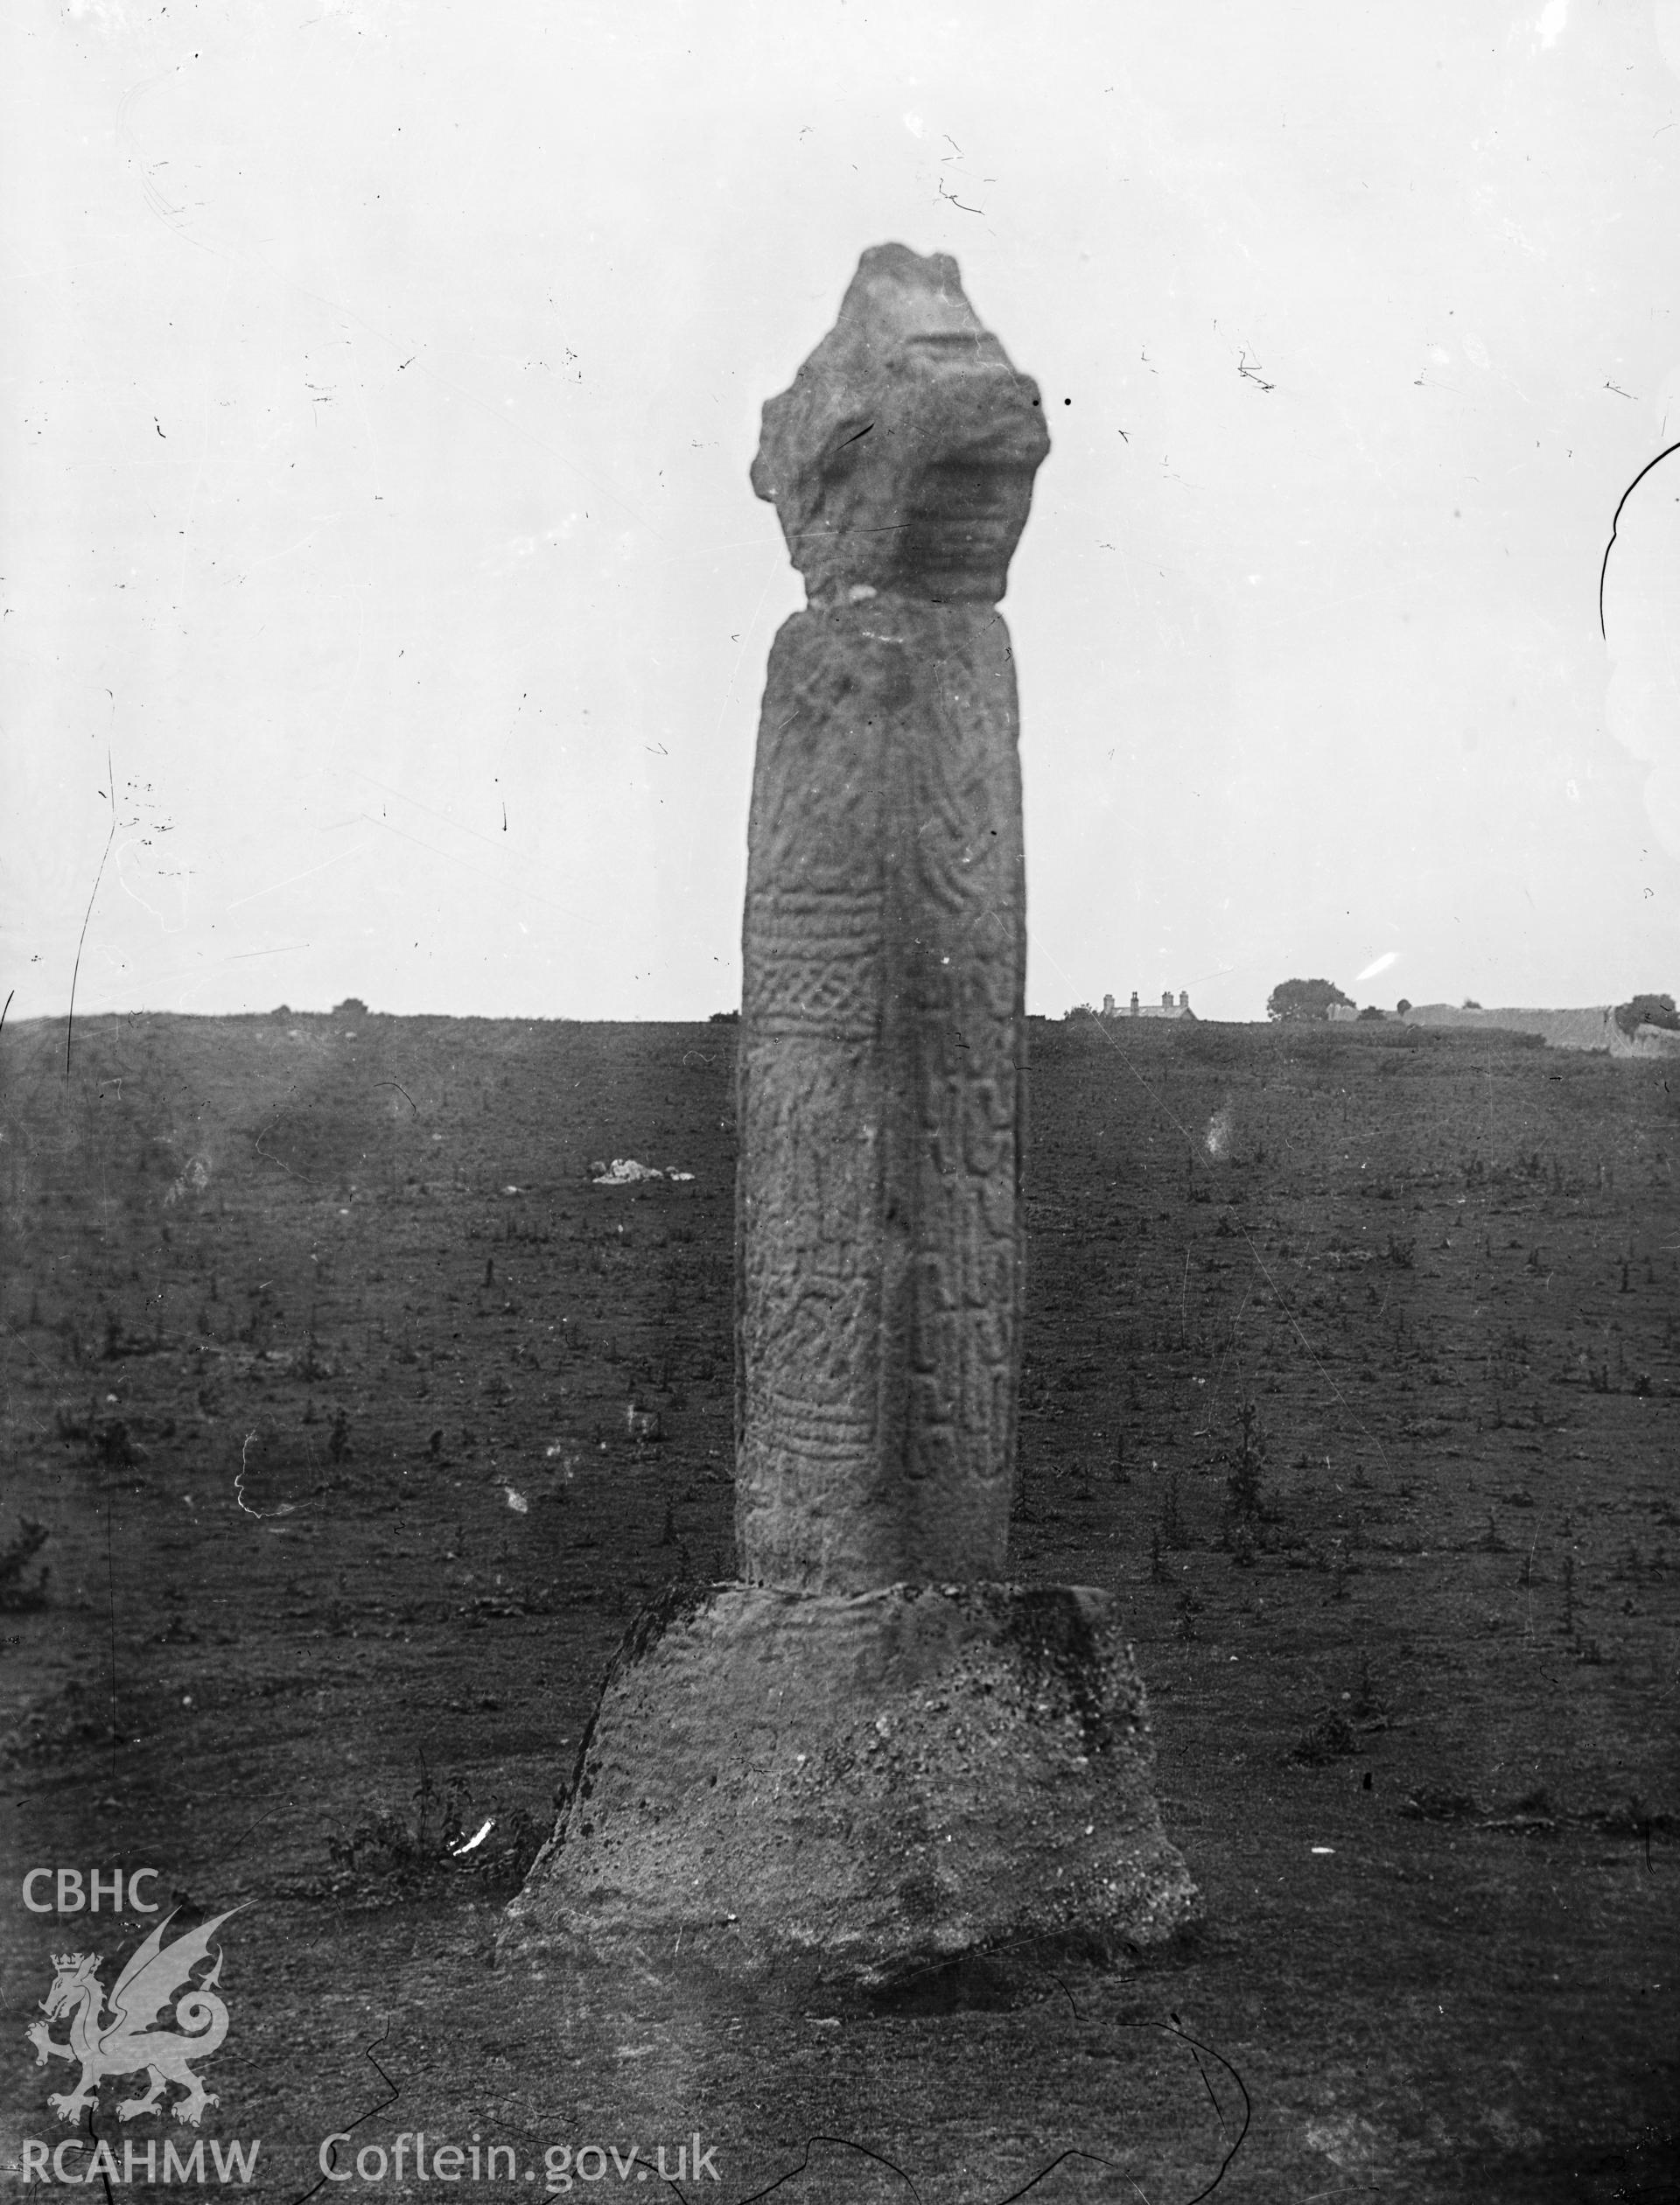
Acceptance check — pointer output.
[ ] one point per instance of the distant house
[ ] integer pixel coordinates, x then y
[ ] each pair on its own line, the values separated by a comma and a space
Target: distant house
1165, 1009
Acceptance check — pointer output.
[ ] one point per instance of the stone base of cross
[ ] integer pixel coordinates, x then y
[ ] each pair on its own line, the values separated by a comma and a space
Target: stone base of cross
849, 1790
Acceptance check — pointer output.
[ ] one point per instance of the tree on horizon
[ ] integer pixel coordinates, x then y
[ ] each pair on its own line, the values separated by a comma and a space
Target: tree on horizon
1305, 1000
1648, 1009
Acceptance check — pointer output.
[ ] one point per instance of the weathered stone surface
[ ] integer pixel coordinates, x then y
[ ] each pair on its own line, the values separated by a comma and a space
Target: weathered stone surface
904, 454
868, 1784
879, 1235
881, 1245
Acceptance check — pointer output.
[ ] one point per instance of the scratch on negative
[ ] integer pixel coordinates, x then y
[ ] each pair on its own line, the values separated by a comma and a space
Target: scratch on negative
1621, 501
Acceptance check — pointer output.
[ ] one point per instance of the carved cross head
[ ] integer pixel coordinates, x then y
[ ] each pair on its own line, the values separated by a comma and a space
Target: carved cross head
902, 459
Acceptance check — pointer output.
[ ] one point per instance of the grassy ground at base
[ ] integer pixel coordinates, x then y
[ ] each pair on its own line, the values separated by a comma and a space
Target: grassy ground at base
1352, 1365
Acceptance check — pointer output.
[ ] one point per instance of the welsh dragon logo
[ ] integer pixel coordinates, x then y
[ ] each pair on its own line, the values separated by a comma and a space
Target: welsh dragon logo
125, 2042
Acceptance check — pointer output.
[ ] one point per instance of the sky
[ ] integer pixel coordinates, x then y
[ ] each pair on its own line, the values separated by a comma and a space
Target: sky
384, 605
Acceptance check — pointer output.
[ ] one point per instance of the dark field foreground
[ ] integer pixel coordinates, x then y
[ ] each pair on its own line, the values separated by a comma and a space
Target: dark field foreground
1352, 1365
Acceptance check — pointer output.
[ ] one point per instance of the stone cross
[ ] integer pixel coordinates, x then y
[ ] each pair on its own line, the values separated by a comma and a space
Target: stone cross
880, 1227
872, 1756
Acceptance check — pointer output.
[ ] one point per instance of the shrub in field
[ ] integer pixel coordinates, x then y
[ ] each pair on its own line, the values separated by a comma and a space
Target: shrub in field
1305, 1000
387, 1855
1172, 1532
1328, 1740
1246, 1466
16, 1595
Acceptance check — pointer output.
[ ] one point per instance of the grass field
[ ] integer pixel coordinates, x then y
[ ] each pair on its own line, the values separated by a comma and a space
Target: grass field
1352, 1365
